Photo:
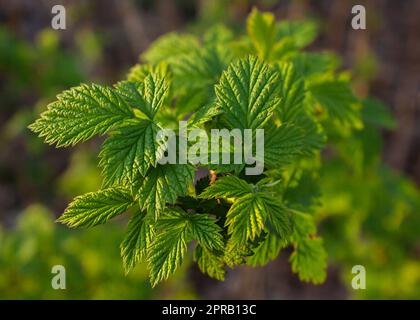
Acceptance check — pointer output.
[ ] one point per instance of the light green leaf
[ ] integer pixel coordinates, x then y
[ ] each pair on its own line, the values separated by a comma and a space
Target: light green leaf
169, 47
204, 229
311, 65
168, 248
139, 72
292, 92
130, 151
301, 32
247, 93
278, 217
148, 96
337, 98
227, 187
245, 218
261, 28
163, 184
137, 240
309, 260
282, 145
200, 68
204, 114
236, 253
96, 208
314, 137
267, 250
210, 263
80, 113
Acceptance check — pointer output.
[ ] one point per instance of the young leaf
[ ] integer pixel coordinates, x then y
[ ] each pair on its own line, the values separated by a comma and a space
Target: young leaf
168, 249
309, 260
282, 145
163, 184
210, 263
200, 68
292, 91
139, 72
148, 96
236, 253
227, 187
261, 28
301, 33
278, 217
204, 229
267, 250
80, 113
95, 208
204, 114
247, 93
338, 100
130, 151
137, 240
169, 47
314, 136
246, 217
313, 64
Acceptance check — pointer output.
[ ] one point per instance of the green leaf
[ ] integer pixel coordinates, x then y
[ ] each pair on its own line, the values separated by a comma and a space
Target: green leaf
168, 249
80, 113
176, 229
245, 218
267, 250
205, 230
95, 208
130, 151
278, 217
338, 100
163, 184
261, 28
148, 96
301, 33
247, 93
314, 137
236, 253
305, 193
292, 91
137, 240
314, 64
200, 68
309, 260
282, 145
304, 226
376, 113
210, 263
204, 114
139, 72
272, 41
227, 187
218, 35
169, 47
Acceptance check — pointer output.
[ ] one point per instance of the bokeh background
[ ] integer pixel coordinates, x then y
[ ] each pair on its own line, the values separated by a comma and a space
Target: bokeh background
102, 41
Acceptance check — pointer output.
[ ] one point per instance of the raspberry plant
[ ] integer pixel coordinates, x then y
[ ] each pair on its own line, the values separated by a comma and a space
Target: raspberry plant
258, 80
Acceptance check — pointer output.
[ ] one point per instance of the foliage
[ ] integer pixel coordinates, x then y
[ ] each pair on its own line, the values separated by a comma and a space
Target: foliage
261, 80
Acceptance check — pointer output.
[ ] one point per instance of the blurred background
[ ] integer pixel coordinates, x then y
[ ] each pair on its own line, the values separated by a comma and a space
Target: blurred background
374, 219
